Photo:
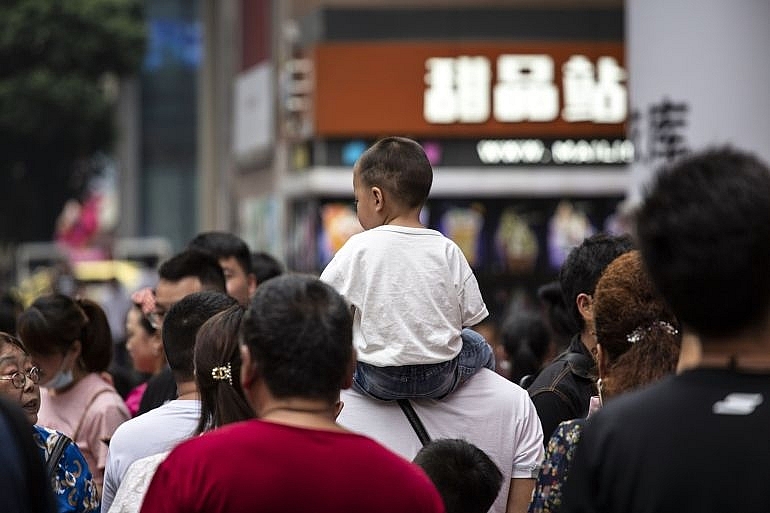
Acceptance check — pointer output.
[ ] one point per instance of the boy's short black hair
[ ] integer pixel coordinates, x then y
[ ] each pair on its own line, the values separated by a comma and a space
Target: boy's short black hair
400, 166
704, 234
584, 266
465, 477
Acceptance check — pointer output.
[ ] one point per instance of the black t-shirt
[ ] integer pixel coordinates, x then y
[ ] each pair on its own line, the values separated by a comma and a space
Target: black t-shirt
161, 388
698, 442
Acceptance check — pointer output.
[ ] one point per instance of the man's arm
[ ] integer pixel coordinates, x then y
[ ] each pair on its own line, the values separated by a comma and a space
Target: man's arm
520, 495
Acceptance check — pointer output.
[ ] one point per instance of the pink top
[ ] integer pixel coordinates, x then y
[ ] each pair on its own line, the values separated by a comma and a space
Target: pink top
134, 398
88, 412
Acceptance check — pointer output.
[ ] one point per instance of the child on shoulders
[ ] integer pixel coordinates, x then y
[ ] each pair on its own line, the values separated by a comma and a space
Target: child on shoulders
411, 289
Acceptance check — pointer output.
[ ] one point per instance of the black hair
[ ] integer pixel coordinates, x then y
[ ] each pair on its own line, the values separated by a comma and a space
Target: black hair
465, 477
556, 314
526, 340
54, 322
299, 332
218, 371
197, 263
144, 322
400, 166
584, 266
181, 326
704, 235
224, 245
265, 266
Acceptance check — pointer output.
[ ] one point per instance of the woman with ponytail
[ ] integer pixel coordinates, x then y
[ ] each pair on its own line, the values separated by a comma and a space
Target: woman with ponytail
638, 343
217, 360
70, 342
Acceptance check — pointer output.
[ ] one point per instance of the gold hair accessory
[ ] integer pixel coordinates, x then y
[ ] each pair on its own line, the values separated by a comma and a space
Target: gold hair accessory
222, 373
637, 335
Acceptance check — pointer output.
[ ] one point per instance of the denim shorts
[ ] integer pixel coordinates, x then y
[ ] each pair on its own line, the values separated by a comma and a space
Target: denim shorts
433, 381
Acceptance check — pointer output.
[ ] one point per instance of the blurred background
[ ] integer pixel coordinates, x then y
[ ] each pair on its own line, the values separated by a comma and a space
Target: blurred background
128, 126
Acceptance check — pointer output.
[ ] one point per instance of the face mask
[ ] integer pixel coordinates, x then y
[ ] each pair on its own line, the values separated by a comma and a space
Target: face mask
61, 379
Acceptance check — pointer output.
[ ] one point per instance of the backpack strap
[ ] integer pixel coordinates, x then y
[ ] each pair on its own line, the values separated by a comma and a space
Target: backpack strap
414, 420
85, 411
56, 453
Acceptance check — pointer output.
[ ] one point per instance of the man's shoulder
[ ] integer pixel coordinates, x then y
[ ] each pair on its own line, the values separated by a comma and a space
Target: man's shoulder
490, 396
565, 371
159, 423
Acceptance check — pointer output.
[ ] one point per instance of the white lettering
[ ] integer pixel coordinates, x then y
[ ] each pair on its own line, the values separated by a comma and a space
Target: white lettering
440, 105
458, 90
524, 89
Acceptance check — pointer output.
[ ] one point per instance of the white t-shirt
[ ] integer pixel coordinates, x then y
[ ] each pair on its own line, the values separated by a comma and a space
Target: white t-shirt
156, 431
412, 291
488, 411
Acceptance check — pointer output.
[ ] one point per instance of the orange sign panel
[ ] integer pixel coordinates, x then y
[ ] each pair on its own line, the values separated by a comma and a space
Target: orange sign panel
464, 89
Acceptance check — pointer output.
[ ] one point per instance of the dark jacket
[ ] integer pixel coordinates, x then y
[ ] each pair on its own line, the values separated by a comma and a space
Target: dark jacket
563, 389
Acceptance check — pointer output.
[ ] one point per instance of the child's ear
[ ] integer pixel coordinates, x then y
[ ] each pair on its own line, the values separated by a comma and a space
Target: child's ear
379, 198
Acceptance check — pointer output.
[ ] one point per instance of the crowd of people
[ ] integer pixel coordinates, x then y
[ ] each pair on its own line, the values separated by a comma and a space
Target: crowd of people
643, 377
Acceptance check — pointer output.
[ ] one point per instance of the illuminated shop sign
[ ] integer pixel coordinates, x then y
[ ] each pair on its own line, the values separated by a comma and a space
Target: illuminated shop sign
461, 90
458, 89
566, 151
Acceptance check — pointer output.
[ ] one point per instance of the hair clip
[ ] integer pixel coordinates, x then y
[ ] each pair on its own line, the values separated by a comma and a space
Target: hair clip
144, 299
222, 373
637, 335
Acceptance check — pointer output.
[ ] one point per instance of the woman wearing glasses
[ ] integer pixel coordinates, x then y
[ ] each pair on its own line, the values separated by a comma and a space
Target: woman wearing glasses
70, 341
67, 469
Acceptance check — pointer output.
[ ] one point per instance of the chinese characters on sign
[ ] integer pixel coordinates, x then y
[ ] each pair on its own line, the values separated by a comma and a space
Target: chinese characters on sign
460, 90
664, 133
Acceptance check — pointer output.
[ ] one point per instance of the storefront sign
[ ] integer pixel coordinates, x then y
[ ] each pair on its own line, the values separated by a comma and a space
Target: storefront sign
569, 90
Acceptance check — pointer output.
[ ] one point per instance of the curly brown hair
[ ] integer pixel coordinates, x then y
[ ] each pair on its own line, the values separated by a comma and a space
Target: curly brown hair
637, 331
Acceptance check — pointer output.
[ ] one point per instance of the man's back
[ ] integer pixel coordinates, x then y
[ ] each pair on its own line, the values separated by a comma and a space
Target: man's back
684, 444
155, 431
488, 411
264, 466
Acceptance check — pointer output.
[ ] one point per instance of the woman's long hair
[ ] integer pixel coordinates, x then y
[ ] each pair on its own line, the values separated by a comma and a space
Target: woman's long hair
637, 331
218, 371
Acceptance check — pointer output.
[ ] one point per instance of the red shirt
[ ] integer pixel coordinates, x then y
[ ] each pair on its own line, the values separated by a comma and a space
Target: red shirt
257, 466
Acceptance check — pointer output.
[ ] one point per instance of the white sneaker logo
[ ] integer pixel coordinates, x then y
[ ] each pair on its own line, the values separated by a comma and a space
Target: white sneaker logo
738, 404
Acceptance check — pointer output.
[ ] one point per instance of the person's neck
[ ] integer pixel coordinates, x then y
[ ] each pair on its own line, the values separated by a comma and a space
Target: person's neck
749, 352
187, 391
300, 412
589, 341
407, 219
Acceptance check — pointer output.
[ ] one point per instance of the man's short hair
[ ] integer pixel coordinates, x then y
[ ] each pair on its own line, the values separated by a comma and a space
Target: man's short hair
182, 323
299, 332
584, 266
195, 263
224, 245
704, 234
400, 166
465, 477
265, 266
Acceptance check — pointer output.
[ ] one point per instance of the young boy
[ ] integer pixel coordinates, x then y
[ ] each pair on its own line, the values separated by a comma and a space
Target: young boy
410, 288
